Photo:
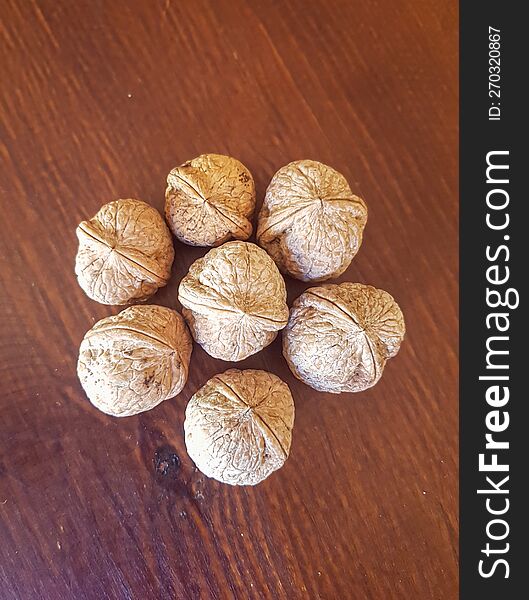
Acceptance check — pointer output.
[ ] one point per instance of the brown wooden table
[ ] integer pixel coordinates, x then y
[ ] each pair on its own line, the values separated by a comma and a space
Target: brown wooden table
99, 100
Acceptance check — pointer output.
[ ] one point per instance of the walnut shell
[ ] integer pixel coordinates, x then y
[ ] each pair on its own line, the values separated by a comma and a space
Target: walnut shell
131, 362
210, 200
238, 427
234, 300
311, 223
339, 337
125, 253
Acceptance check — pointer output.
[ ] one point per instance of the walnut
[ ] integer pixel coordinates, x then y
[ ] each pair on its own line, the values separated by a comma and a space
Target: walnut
311, 223
131, 362
339, 337
210, 200
238, 427
234, 300
125, 253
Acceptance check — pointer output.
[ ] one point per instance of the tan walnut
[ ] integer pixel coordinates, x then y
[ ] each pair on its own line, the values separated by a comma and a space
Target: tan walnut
210, 200
311, 223
131, 362
234, 300
339, 337
125, 253
238, 426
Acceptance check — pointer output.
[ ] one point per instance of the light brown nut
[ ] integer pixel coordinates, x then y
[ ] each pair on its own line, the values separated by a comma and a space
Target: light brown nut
234, 300
125, 253
311, 223
238, 427
210, 200
339, 337
131, 362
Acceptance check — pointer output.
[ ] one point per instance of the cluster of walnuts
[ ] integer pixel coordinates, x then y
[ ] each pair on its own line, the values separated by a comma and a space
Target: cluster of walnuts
336, 337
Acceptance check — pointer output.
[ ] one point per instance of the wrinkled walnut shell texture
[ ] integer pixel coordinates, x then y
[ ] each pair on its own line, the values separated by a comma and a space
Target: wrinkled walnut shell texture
125, 253
234, 300
339, 337
238, 426
210, 200
131, 362
311, 223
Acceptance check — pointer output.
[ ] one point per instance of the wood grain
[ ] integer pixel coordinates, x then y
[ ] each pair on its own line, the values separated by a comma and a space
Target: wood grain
100, 100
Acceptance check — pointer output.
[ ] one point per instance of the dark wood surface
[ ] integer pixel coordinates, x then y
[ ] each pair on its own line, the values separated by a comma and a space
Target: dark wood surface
99, 100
